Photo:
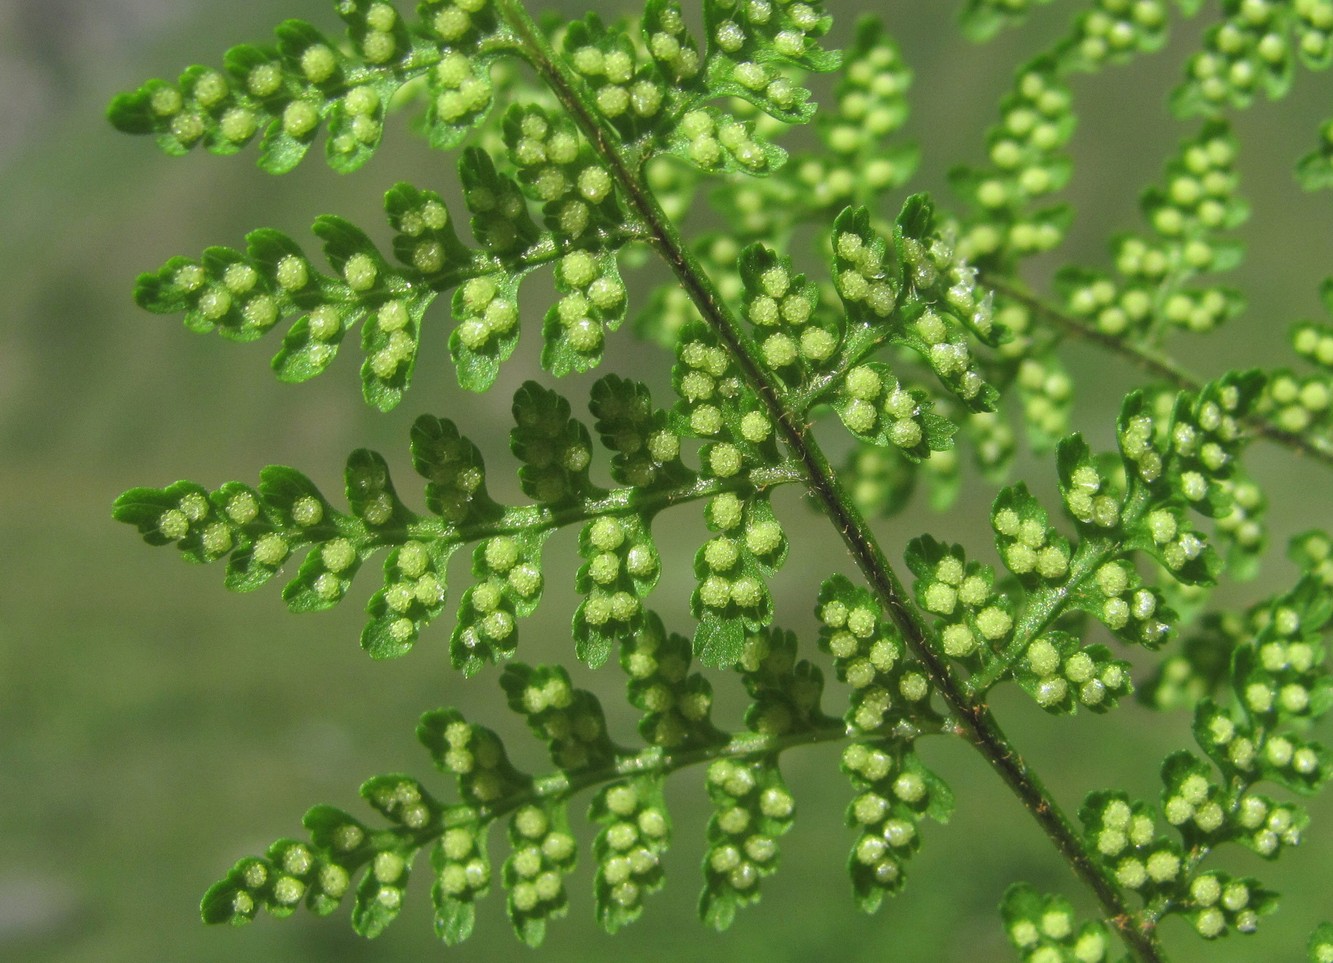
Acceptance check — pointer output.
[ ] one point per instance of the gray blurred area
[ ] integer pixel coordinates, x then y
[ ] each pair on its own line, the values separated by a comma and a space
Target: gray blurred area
154, 728
55, 52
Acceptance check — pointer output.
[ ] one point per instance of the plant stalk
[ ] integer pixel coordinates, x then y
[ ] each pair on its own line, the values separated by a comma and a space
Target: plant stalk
975, 721
1157, 366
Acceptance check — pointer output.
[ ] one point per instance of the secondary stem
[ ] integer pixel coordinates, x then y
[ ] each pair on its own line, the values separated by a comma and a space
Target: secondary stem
975, 721
1156, 365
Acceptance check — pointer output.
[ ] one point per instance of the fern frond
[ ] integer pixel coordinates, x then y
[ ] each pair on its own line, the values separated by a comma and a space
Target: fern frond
917, 333
752, 804
1188, 217
1279, 682
287, 91
258, 530
1038, 924
1251, 50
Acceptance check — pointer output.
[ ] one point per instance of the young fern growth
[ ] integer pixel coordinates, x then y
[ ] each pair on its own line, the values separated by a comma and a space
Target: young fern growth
917, 331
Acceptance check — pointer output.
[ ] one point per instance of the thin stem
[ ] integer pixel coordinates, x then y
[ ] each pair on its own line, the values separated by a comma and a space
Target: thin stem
527, 519
1156, 365
974, 720
654, 760
741, 745
547, 249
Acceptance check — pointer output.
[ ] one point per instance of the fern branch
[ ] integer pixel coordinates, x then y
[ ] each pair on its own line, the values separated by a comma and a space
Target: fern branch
1049, 602
974, 721
743, 745
532, 519
1154, 364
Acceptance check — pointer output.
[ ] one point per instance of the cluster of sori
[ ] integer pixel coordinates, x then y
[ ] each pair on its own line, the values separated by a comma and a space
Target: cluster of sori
784, 692
1250, 51
306, 80
876, 407
714, 404
895, 793
751, 809
558, 170
716, 141
972, 619
1281, 681
1202, 665
1303, 403
910, 291
1125, 838
1115, 30
750, 43
1198, 202
870, 107
543, 853
508, 584
1029, 546
1044, 929
646, 451
675, 702
1280, 684
1059, 673
780, 306
634, 835
621, 568
870, 657
568, 719
1027, 163
731, 594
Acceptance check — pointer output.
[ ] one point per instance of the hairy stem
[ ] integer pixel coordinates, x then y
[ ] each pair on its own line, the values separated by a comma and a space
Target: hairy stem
974, 720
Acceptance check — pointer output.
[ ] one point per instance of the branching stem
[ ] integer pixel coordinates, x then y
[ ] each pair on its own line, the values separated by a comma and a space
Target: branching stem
974, 720
1156, 365
527, 519
561, 785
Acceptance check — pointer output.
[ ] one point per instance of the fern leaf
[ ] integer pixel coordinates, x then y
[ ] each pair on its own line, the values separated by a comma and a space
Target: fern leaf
306, 80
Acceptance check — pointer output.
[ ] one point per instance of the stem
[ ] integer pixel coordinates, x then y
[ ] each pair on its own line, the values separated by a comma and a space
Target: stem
654, 760
1156, 365
743, 745
547, 249
616, 501
974, 720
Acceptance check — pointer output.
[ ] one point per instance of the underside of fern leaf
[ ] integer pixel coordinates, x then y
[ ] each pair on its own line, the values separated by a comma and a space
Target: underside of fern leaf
827, 309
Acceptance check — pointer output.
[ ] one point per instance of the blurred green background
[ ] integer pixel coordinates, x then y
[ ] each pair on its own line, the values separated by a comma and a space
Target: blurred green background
153, 728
